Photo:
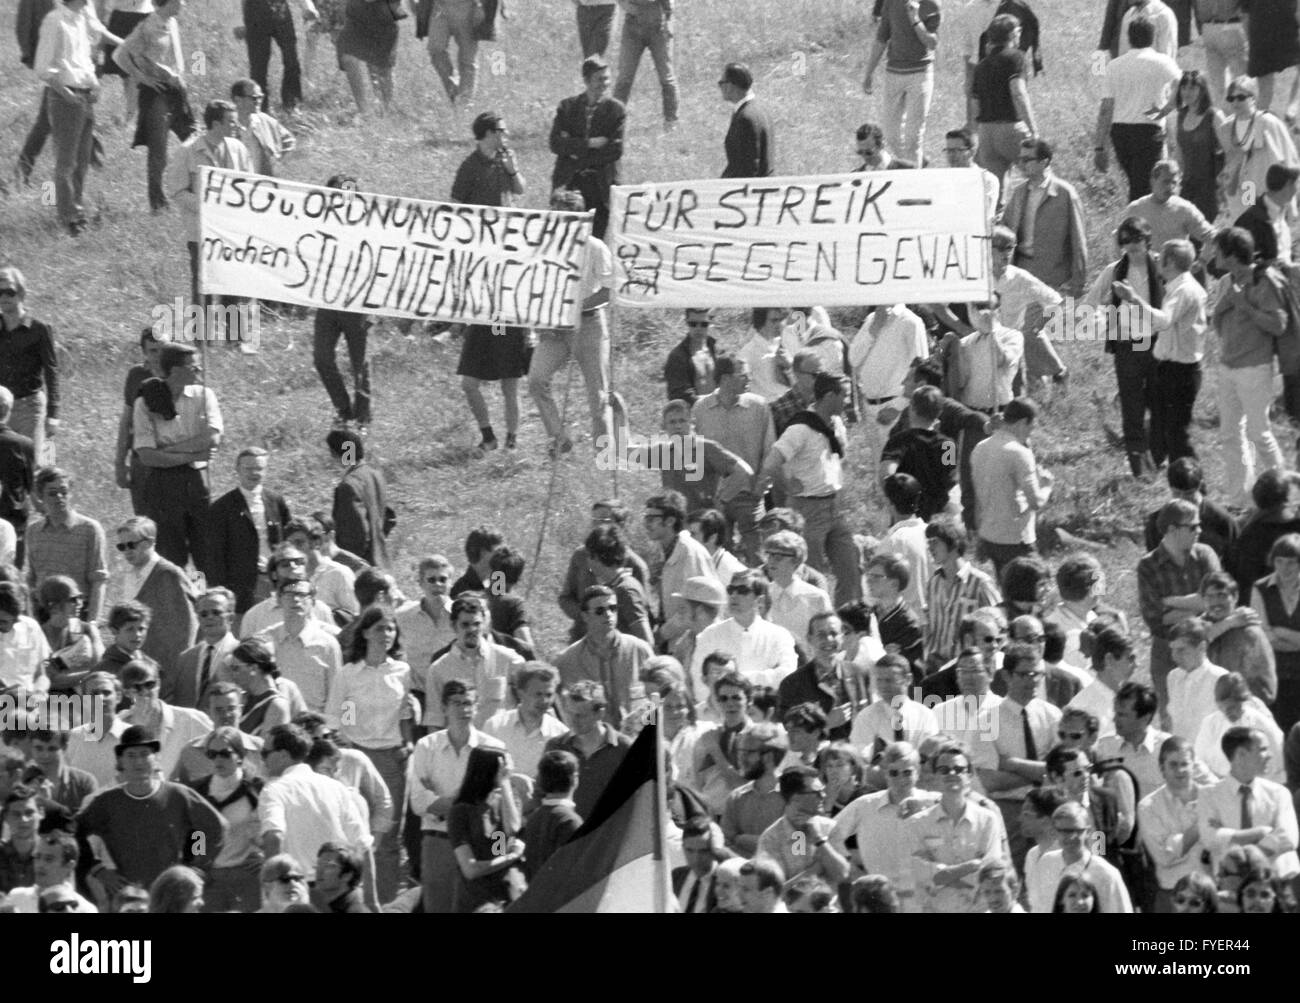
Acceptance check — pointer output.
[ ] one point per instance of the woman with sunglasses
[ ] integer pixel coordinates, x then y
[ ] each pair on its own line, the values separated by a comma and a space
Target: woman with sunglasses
1253, 140
1195, 892
284, 886
1076, 894
481, 829
235, 879
24, 651
75, 645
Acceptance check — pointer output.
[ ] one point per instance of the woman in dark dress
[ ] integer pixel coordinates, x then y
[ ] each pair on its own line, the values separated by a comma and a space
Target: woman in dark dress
1277, 601
1276, 496
367, 46
1198, 147
1272, 41
480, 828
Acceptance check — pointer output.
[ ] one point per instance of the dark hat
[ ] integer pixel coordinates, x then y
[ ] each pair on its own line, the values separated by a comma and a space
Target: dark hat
737, 74
137, 735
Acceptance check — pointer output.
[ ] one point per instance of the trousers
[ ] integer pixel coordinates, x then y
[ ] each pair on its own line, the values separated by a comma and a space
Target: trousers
652, 30
354, 328
262, 27
176, 498
831, 548
588, 345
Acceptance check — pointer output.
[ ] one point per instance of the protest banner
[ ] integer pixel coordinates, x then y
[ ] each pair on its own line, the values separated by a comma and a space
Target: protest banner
912, 236
281, 240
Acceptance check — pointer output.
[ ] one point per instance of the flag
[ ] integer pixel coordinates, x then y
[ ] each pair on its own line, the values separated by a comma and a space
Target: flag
616, 862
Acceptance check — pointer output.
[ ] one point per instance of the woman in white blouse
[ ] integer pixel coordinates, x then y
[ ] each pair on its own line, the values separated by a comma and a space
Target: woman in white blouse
1238, 706
23, 648
1252, 141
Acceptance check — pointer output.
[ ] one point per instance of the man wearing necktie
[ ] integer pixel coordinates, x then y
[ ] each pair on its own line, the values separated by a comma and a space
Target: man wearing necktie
185, 682
695, 884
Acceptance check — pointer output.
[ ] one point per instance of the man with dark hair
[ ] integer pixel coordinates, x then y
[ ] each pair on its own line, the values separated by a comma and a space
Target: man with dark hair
22, 818
225, 706
717, 760
54, 868
689, 370
753, 806
587, 140
955, 590
1070, 770
598, 748
244, 526
176, 447
800, 839
828, 679
147, 824
740, 422
1137, 81
695, 885
1135, 743
923, 453
607, 549
881, 355
1244, 809
1009, 486
556, 820
580, 577
1249, 317
1046, 215
1218, 528
749, 145
1167, 822
765, 653
869, 144
362, 517
808, 457
339, 870
480, 544
761, 882
604, 654
1169, 581
959, 148
474, 658
684, 557
1236, 640
300, 810
1266, 220
905, 537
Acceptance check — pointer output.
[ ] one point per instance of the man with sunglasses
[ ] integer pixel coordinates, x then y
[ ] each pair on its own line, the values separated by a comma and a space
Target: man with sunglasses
1075, 857
172, 727
162, 586
757, 802
1046, 215
225, 705
147, 824
605, 655
198, 667
65, 542
1070, 771
765, 653
287, 564
234, 877
305, 651
689, 372
426, 625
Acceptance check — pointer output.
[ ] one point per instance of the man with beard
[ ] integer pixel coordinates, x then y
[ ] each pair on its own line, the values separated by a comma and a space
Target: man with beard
756, 804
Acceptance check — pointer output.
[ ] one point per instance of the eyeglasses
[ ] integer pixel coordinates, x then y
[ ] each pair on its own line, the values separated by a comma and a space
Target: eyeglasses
1259, 893
288, 879
210, 612
697, 323
1186, 900
1030, 674
956, 149
951, 771
144, 687
1240, 97
437, 579
739, 590
1031, 639
129, 545
1071, 831
990, 638
734, 698
220, 753
1071, 736
8, 292
905, 771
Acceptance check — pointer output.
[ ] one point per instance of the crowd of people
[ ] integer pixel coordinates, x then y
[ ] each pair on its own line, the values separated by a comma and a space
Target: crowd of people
852, 723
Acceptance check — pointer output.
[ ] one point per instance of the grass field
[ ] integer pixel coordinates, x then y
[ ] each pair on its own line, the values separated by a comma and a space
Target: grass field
807, 55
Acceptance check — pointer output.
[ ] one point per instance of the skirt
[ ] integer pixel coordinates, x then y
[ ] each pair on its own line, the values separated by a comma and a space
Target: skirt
120, 23
488, 356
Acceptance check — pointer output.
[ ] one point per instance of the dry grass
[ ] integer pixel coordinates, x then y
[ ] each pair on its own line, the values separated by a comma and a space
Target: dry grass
807, 56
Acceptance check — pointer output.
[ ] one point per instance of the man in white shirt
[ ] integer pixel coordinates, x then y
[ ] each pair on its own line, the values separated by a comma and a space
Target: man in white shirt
880, 355
1139, 80
1009, 487
287, 564
769, 365
299, 810
791, 602
1162, 19
895, 716
765, 653
307, 654
1244, 809
1191, 681
989, 357
1025, 304
1179, 350
968, 717
475, 659
65, 64
1098, 697
433, 779
175, 727
176, 450
426, 625
335, 583
906, 538
959, 148
881, 823
809, 458
526, 729
1073, 826
1167, 822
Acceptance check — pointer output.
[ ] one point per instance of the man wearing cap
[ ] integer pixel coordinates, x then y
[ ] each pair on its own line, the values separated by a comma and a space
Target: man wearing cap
148, 824
705, 597
809, 456
748, 143
587, 140
799, 840
648, 24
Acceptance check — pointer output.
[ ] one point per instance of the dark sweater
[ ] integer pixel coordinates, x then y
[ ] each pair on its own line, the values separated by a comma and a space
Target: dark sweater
547, 829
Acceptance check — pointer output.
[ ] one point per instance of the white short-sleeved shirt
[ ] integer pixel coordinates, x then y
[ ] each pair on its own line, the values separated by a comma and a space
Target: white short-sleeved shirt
307, 809
1137, 81
197, 411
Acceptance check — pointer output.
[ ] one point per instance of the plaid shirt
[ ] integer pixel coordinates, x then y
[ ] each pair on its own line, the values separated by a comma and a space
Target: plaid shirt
949, 600
1159, 576
784, 408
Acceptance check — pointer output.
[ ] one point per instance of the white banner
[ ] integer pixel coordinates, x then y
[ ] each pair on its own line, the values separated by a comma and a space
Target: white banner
908, 236
284, 241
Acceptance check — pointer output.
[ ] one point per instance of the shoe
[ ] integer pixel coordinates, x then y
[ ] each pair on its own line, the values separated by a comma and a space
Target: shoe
363, 429
23, 173
77, 227
511, 440
484, 447
342, 424
559, 447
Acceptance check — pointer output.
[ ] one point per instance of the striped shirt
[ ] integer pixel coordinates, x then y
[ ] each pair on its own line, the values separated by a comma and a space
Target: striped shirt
950, 599
75, 549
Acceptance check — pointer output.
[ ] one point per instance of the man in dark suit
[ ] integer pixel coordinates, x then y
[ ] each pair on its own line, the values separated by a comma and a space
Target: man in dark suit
17, 467
183, 684
695, 885
244, 526
362, 518
587, 140
749, 144
1259, 218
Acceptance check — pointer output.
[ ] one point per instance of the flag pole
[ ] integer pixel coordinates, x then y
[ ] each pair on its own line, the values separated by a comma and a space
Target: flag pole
662, 874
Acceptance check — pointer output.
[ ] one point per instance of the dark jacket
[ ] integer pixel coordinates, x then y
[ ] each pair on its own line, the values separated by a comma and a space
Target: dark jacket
362, 518
17, 467
711, 897
748, 144
801, 686
929, 456
1256, 221
572, 155
27, 27
232, 542
679, 371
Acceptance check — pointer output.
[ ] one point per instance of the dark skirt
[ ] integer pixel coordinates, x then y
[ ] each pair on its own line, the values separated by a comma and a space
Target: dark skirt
120, 23
488, 356
369, 34
1273, 44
